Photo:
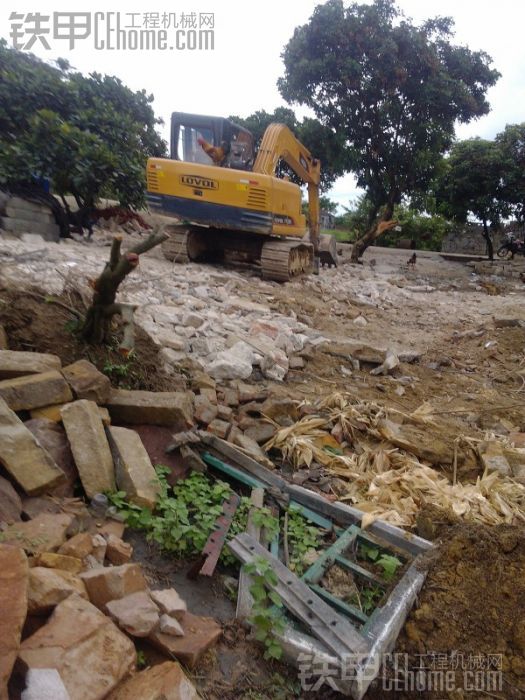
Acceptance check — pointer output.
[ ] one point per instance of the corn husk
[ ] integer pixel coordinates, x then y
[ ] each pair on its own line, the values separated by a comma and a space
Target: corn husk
383, 480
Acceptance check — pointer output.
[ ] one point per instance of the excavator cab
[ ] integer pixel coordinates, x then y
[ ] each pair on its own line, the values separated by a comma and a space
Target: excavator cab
196, 138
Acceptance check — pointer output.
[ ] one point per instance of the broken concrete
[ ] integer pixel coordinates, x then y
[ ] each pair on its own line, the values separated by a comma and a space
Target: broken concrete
136, 614
167, 681
14, 577
35, 390
90, 447
134, 472
18, 364
86, 648
49, 587
87, 382
113, 583
170, 408
30, 465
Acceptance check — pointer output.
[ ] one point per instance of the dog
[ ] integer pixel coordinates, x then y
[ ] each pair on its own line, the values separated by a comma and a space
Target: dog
412, 260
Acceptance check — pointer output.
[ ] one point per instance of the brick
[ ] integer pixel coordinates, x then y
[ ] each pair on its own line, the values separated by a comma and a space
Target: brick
17, 364
87, 382
35, 390
170, 408
90, 447
134, 472
23, 457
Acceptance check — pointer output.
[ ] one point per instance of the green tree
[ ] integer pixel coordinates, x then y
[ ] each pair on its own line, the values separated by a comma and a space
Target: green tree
511, 143
90, 135
394, 90
471, 183
320, 140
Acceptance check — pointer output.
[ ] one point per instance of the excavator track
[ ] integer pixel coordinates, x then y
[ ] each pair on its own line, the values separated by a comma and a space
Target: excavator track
283, 260
184, 244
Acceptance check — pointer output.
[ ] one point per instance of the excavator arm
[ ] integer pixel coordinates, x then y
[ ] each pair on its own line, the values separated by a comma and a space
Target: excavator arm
279, 143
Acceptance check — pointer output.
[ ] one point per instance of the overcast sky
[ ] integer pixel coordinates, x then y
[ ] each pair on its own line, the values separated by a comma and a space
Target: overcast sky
239, 76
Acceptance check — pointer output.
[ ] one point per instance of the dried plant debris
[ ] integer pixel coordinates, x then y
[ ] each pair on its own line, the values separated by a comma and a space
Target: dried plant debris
385, 460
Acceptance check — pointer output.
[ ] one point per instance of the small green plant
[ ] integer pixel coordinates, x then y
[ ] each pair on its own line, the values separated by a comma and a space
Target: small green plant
387, 562
73, 326
141, 660
302, 537
368, 598
266, 617
116, 370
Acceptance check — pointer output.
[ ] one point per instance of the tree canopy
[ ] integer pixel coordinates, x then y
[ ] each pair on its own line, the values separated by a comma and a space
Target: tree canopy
393, 89
90, 135
511, 143
321, 141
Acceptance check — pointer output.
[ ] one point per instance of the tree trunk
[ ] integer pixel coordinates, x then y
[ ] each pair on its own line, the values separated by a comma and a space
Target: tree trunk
378, 227
488, 240
98, 318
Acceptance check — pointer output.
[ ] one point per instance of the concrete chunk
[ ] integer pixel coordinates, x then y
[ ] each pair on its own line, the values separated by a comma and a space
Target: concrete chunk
23, 457
134, 472
171, 408
35, 390
87, 382
17, 364
89, 445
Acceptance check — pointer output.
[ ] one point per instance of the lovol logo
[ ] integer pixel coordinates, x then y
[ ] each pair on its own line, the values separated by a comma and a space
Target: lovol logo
201, 182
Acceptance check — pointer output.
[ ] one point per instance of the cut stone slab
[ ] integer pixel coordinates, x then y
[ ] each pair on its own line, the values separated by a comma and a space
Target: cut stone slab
87, 382
134, 472
53, 560
170, 408
53, 413
27, 462
10, 503
113, 583
14, 582
35, 390
170, 602
169, 625
167, 681
90, 447
18, 364
44, 684
45, 533
79, 546
52, 438
4, 343
86, 648
118, 552
136, 614
220, 428
49, 587
200, 633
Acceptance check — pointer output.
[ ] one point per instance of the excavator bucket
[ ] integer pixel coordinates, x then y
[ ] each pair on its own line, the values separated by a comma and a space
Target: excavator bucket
327, 250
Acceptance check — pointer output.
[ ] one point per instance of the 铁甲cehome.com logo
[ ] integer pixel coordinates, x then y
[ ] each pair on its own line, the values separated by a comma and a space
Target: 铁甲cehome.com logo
115, 31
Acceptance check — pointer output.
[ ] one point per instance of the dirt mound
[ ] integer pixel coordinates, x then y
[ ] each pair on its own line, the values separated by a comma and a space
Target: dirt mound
471, 614
33, 322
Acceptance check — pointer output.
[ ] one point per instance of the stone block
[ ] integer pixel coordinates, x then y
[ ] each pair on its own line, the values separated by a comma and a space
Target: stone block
54, 560
170, 602
89, 445
35, 390
205, 411
171, 408
87, 382
134, 472
45, 533
113, 583
20, 453
118, 552
52, 438
200, 634
18, 364
136, 614
14, 583
79, 546
167, 681
220, 428
10, 503
49, 587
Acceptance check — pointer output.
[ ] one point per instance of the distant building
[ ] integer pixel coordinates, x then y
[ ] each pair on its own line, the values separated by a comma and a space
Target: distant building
327, 220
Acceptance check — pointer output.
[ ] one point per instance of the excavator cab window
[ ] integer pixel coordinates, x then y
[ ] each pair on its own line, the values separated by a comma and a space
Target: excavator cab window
197, 139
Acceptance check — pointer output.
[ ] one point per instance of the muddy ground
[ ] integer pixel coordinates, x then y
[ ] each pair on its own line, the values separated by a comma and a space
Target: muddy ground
471, 370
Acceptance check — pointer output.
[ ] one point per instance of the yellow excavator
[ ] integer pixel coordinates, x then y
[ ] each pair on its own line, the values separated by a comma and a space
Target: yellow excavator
230, 202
